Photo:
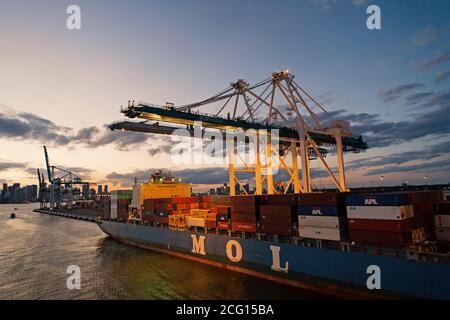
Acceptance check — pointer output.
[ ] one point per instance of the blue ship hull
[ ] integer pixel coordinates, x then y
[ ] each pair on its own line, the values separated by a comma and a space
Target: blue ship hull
328, 271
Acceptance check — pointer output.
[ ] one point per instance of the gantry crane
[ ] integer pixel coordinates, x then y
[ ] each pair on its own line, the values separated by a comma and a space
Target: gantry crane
276, 103
60, 190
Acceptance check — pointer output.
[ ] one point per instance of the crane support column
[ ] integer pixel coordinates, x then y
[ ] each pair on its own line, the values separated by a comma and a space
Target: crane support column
269, 171
231, 150
306, 184
295, 166
340, 158
258, 178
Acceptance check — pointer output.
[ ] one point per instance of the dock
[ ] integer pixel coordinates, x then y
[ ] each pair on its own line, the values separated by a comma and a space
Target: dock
82, 214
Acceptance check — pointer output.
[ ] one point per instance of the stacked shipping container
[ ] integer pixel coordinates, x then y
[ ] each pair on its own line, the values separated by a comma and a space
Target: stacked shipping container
321, 216
442, 222
120, 200
244, 213
277, 214
390, 219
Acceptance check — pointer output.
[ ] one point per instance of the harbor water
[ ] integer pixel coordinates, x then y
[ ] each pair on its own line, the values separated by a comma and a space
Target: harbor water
37, 249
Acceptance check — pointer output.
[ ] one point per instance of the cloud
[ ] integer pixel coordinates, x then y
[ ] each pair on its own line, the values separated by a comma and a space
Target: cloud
429, 35
5, 166
386, 133
323, 4
30, 127
164, 149
397, 92
381, 133
428, 153
442, 76
439, 58
418, 97
428, 166
214, 175
327, 4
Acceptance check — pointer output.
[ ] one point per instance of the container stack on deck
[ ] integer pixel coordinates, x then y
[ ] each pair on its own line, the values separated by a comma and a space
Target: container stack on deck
120, 200
277, 214
442, 222
221, 205
103, 206
391, 219
394, 219
244, 213
321, 216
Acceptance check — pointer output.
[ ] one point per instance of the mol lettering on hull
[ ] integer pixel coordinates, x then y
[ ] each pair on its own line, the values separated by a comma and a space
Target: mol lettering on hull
234, 252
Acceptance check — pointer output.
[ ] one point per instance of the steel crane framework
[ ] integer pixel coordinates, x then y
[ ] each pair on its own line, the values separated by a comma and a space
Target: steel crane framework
276, 103
60, 191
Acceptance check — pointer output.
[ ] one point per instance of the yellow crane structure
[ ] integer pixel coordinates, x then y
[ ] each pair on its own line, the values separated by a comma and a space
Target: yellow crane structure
276, 103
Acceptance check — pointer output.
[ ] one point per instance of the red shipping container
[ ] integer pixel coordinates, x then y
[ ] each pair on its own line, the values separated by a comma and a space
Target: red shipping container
437, 196
222, 225
245, 200
210, 224
423, 208
251, 218
442, 208
164, 201
222, 210
164, 220
279, 199
274, 219
390, 239
282, 230
243, 209
148, 218
381, 225
243, 226
320, 199
276, 210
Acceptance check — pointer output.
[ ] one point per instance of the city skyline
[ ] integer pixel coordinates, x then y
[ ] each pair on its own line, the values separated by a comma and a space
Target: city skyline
391, 84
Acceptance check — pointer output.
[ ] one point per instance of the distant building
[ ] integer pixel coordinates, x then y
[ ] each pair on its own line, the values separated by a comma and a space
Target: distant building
16, 194
99, 189
105, 189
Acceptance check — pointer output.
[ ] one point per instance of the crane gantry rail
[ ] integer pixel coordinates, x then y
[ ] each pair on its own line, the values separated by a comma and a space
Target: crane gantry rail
300, 130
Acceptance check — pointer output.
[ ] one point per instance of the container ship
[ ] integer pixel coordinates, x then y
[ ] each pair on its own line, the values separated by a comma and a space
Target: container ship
357, 245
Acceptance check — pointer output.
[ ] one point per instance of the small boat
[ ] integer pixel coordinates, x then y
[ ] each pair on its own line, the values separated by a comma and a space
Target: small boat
13, 216
15, 209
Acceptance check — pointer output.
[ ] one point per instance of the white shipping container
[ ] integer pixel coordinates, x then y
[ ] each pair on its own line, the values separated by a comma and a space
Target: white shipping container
195, 222
442, 221
318, 221
380, 212
332, 234
443, 234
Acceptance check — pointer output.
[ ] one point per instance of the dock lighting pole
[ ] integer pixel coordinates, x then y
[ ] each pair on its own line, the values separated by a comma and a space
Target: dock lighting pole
426, 182
382, 183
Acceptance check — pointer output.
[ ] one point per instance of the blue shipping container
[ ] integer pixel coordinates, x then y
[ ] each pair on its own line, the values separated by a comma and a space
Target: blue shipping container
328, 211
377, 199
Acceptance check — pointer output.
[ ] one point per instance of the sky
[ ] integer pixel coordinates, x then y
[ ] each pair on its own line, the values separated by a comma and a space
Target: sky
61, 87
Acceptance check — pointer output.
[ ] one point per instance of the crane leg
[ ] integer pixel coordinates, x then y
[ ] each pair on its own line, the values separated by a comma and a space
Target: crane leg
231, 150
295, 167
